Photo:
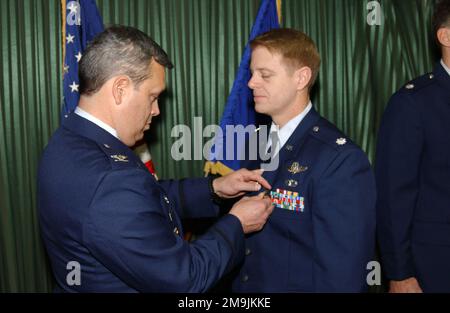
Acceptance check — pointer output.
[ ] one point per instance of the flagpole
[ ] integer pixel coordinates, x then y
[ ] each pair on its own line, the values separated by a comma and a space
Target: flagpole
63, 28
279, 11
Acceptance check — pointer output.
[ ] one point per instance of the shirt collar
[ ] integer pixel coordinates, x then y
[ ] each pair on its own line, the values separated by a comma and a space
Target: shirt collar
286, 131
79, 111
445, 67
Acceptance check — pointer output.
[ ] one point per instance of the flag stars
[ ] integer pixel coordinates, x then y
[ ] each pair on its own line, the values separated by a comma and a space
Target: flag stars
73, 7
74, 87
70, 38
78, 56
66, 69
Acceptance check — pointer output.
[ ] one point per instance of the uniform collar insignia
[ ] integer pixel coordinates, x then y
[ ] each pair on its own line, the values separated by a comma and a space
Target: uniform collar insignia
119, 158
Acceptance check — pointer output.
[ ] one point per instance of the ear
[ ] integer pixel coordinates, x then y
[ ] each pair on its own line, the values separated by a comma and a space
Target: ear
120, 88
303, 77
443, 36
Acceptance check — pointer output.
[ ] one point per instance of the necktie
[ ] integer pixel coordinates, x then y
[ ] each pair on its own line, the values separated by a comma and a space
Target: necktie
273, 143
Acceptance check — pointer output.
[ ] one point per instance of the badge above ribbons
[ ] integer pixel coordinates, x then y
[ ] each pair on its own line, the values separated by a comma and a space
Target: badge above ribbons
288, 200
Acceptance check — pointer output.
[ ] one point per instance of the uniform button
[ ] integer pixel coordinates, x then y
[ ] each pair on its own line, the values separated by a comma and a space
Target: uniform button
244, 278
166, 199
316, 129
248, 251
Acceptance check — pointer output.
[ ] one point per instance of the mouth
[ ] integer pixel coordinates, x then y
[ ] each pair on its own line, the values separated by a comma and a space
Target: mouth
258, 98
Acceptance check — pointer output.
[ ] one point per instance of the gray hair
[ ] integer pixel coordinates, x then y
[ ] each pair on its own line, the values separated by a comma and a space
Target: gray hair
119, 50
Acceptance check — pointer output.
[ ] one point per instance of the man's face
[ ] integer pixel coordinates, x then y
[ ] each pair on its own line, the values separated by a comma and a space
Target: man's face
140, 105
274, 86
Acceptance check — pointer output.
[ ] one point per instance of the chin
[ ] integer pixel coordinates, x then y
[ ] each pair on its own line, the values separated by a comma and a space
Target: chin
260, 109
130, 143
139, 137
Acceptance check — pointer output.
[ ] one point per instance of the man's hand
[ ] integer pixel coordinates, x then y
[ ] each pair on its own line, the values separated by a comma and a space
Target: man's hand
252, 212
410, 285
237, 183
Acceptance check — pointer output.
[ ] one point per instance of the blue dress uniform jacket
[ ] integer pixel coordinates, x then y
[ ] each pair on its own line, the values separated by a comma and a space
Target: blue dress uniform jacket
99, 206
325, 245
413, 179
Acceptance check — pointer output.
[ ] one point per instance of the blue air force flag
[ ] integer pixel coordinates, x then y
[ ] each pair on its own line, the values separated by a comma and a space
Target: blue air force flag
239, 109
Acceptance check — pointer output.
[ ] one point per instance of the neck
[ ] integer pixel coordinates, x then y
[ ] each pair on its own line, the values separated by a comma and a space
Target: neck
295, 109
97, 108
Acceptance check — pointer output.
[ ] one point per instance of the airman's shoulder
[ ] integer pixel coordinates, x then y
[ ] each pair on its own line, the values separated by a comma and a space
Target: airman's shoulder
418, 85
330, 136
118, 158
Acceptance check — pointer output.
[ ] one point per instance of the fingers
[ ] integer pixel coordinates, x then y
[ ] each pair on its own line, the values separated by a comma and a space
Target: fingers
265, 201
268, 203
248, 186
261, 180
268, 209
258, 171
255, 176
253, 212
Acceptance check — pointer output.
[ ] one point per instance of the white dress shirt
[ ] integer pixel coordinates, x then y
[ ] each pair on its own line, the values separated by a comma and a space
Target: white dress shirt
445, 67
96, 121
286, 131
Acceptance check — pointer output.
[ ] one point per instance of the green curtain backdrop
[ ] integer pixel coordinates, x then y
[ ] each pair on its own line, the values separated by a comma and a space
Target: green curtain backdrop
362, 66
29, 105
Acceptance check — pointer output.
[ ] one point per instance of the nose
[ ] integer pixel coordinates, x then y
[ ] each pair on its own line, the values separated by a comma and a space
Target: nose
251, 83
155, 109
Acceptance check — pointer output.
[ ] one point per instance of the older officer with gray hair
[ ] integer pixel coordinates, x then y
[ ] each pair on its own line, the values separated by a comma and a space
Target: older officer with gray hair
100, 207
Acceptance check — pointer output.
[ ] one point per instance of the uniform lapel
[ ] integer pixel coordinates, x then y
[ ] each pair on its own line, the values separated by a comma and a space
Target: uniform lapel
293, 145
443, 78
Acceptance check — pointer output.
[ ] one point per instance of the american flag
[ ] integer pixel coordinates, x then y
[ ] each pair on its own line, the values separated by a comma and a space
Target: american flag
82, 22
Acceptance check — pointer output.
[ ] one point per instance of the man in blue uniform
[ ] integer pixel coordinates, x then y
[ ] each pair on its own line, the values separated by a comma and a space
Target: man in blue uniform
321, 234
107, 224
413, 175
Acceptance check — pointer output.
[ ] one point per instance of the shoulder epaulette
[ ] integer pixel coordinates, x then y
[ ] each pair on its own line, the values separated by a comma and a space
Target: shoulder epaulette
118, 159
419, 83
330, 135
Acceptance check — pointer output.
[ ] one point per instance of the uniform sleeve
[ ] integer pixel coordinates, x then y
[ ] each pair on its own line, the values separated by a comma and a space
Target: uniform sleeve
400, 142
344, 224
192, 197
128, 231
